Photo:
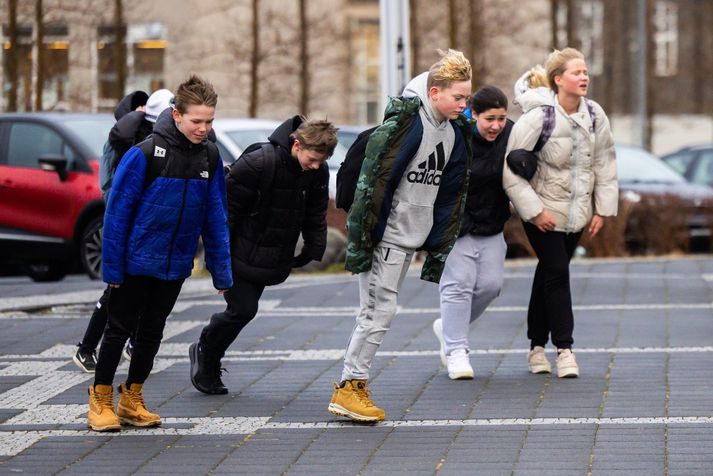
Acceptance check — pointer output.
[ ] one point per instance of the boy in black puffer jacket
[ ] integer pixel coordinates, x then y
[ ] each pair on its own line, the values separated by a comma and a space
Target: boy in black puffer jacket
264, 231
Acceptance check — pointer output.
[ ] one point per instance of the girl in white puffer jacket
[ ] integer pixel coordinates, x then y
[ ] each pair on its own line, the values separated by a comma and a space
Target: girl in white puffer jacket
574, 187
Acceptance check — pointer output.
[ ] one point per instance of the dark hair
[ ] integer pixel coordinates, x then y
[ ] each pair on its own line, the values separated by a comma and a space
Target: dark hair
194, 90
488, 97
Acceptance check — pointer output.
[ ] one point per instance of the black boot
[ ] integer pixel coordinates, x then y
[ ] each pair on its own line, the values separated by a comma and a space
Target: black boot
205, 371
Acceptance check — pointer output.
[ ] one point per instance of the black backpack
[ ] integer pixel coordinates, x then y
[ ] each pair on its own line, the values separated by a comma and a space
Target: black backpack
266, 179
348, 173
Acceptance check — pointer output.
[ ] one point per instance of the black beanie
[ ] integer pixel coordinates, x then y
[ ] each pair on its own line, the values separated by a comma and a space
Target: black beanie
139, 98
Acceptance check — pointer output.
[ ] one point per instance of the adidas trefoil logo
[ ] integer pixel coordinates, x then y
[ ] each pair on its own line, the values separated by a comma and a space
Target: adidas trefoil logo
205, 174
431, 169
159, 151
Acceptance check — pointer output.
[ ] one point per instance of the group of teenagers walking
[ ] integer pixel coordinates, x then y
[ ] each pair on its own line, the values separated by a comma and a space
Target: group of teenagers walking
438, 175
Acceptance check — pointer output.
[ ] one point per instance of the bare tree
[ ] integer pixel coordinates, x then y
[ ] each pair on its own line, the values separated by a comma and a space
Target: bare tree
40, 78
476, 43
572, 39
452, 24
304, 58
120, 49
12, 56
254, 59
554, 23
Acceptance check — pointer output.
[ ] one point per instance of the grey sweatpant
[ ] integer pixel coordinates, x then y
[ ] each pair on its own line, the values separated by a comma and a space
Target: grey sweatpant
471, 279
378, 290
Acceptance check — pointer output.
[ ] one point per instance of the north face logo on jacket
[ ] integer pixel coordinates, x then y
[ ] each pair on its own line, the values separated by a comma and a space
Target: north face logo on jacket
430, 170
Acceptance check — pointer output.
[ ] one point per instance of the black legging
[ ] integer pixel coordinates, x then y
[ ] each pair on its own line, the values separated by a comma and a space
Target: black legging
224, 327
550, 310
154, 298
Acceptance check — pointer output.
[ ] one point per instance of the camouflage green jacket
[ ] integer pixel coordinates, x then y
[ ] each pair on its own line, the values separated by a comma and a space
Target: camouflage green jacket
391, 146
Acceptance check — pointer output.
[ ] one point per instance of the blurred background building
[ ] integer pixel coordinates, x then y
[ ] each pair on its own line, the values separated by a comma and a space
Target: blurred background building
274, 58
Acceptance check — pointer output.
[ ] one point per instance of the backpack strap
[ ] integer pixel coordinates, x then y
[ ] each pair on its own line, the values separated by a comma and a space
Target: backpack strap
213, 158
592, 115
548, 125
266, 179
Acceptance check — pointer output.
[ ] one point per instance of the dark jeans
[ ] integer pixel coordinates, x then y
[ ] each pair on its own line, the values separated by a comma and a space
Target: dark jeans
97, 324
152, 298
224, 327
550, 311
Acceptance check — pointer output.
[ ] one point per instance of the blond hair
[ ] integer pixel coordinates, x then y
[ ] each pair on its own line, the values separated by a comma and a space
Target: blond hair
556, 64
537, 77
452, 67
317, 135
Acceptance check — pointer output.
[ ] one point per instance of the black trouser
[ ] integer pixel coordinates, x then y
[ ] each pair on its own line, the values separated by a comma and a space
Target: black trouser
550, 310
152, 298
224, 327
97, 323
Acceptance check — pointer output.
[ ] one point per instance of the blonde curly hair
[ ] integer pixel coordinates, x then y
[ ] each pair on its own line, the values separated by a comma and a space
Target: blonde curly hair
452, 67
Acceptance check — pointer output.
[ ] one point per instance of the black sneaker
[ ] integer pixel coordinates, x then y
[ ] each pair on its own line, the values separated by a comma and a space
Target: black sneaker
85, 360
128, 350
205, 375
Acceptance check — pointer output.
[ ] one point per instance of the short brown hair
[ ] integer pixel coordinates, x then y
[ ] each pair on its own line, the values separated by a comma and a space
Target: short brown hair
317, 135
194, 91
452, 67
557, 64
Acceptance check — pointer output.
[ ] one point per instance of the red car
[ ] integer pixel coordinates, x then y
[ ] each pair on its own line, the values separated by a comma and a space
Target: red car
51, 207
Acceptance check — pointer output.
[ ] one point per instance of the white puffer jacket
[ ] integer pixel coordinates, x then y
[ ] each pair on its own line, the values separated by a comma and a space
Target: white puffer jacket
576, 170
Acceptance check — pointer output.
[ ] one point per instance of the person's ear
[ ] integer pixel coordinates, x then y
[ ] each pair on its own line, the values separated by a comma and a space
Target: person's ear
176, 115
434, 93
558, 80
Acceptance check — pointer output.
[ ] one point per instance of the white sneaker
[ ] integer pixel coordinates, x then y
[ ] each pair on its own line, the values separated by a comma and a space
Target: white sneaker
459, 365
537, 361
438, 330
566, 364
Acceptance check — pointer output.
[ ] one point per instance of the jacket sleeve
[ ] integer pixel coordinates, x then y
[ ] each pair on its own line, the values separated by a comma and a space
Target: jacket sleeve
122, 135
124, 200
215, 232
243, 185
524, 135
606, 185
314, 229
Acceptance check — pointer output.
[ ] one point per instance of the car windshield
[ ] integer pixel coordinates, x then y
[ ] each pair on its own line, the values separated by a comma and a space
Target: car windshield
635, 165
93, 132
244, 138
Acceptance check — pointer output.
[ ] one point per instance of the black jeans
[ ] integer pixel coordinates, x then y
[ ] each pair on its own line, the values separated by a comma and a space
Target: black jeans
224, 327
152, 298
550, 310
97, 323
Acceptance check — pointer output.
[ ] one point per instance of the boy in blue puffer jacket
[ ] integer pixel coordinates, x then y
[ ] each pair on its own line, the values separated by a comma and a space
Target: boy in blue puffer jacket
167, 192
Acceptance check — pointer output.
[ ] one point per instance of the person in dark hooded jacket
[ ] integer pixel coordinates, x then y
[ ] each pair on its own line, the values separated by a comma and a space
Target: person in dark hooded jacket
264, 231
135, 118
168, 191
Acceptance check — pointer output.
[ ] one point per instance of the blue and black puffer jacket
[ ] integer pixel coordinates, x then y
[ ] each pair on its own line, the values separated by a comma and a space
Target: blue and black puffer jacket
160, 205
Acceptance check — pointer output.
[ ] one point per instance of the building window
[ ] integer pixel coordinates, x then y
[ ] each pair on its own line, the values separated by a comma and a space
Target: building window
366, 79
592, 35
665, 22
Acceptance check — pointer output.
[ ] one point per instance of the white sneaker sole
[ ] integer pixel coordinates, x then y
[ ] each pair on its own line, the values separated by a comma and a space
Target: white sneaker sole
438, 330
81, 366
339, 410
568, 372
540, 368
462, 375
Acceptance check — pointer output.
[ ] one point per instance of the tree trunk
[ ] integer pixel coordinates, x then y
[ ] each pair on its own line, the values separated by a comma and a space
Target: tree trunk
476, 44
414, 36
40, 79
554, 22
254, 60
452, 24
12, 58
571, 19
304, 58
650, 75
119, 49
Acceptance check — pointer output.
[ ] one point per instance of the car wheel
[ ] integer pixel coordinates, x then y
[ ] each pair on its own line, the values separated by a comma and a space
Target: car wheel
45, 272
90, 248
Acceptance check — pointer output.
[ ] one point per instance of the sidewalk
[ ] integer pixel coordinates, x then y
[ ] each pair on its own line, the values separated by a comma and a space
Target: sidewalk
643, 403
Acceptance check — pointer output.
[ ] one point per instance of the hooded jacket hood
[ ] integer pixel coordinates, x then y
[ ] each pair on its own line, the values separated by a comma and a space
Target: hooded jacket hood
529, 98
130, 102
418, 87
281, 135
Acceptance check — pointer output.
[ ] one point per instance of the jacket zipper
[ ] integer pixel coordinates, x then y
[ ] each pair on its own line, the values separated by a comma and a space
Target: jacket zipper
178, 225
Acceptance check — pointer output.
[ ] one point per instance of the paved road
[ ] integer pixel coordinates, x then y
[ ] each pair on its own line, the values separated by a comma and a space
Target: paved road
643, 404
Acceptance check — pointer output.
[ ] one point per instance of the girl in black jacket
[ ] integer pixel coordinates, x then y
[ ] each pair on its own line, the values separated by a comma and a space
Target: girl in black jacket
473, 274
264, 230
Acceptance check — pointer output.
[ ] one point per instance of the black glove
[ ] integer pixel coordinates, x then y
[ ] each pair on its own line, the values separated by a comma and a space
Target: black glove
523, 163
300, 260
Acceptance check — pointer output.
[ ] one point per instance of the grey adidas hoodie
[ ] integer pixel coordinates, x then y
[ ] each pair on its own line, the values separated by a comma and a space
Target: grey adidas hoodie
411, 216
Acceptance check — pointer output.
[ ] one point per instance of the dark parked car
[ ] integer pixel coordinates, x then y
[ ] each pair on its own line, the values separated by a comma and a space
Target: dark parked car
51, 207
695, 163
